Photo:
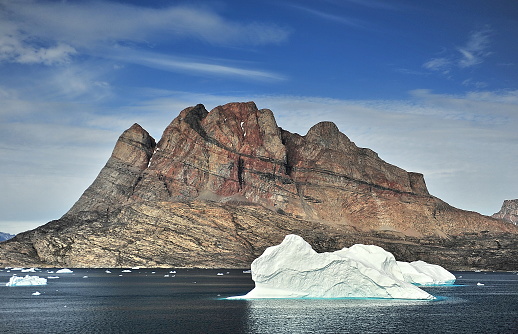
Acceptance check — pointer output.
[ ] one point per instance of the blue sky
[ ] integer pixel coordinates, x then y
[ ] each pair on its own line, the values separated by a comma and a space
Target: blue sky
431, 86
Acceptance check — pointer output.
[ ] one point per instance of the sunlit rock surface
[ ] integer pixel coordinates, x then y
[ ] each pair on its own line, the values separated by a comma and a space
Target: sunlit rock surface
293, 269
26, 281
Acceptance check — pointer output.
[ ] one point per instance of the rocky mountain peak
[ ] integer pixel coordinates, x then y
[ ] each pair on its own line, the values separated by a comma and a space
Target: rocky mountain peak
135, 147
327, 135
221, 186
508, 212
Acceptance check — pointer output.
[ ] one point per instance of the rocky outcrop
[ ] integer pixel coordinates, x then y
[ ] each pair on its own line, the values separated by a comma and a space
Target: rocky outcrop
508, 212
221, 186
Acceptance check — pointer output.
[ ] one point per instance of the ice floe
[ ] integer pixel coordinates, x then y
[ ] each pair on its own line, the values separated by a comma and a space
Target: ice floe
64, 271
26, 281
293, 269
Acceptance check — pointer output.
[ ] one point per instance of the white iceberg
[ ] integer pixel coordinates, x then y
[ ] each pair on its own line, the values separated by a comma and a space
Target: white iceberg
26, 281
422, 273
293, 269
64, 271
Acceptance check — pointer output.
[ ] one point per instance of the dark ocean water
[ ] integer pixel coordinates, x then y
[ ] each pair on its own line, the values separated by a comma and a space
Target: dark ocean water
145, 301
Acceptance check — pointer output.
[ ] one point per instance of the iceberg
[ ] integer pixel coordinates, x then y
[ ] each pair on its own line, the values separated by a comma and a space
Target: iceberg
26, 281
422, 273
293, 269
64, 271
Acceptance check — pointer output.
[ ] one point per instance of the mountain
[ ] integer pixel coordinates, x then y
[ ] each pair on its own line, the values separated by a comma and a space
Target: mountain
221, 186
508, 212
5, 236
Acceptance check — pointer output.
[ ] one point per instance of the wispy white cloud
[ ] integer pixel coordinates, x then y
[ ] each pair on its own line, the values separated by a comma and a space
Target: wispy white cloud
90, 22
472, 53
51, 33
349, 21
439, 64
217, 67
475, 50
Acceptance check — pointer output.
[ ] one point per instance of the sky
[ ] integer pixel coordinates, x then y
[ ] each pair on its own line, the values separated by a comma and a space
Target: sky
431, 86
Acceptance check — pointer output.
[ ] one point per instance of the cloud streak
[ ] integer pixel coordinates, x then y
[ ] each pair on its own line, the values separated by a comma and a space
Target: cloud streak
472, 53
53, 33
192, 66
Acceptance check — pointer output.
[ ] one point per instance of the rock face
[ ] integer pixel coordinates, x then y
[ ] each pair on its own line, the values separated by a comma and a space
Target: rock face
221, 186
508, 212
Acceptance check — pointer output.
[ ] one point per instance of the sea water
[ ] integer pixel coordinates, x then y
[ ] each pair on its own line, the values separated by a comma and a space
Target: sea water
193, 301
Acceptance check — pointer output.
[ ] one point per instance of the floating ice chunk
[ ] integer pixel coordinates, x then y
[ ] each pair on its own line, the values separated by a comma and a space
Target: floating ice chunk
480, 284
293, 269
107, 271
52, 277
26, 281
37, 293
29, 270
64, 271
126, 271
422, 273
220, 274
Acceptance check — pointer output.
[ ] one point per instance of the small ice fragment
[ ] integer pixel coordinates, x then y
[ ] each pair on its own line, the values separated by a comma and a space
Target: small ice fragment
172, 272
480, 284
220, 274
64, 271
126, 271
166, 275
85, 276
135, 268
37, 293
247, 271
26, 281
107, 271
29, 270
52, 277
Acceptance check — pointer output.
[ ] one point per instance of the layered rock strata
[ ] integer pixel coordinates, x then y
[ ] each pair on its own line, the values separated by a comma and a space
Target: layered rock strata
221, 186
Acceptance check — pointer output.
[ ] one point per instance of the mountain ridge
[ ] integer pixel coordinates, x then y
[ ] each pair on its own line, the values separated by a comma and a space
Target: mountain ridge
221, 186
